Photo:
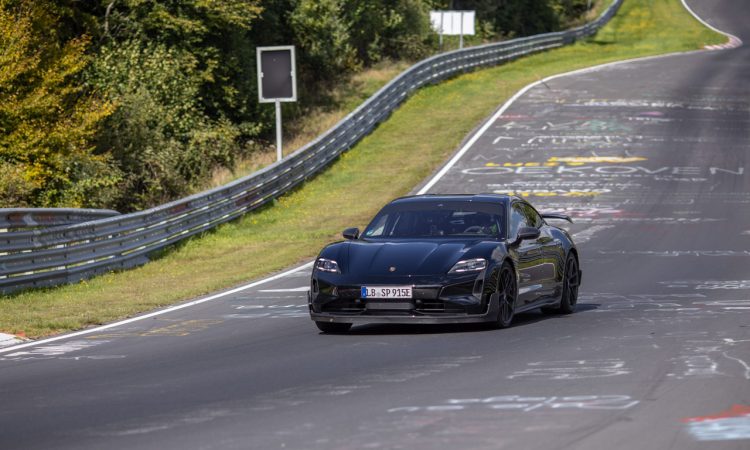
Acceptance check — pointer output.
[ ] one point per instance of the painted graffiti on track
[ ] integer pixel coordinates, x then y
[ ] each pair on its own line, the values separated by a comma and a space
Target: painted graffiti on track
284, 311
572, 370
589, 175
709, 358
297, 396
676, 253
708, 284
732, 424
65, 350
525, 404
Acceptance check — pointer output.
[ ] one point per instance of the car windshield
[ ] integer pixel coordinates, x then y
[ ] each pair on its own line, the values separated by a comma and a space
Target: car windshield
446, 219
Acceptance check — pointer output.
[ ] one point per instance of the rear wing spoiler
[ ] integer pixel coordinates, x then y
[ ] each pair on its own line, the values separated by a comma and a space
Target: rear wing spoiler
557, 216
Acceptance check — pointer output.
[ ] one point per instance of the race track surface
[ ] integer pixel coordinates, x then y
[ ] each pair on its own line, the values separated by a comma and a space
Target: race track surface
651, 160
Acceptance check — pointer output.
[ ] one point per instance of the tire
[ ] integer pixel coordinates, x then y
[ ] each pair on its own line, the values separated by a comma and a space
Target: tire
506, 293
571, 282
333, 327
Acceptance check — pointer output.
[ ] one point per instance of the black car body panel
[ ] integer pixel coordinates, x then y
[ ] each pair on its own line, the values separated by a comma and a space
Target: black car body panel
417, 241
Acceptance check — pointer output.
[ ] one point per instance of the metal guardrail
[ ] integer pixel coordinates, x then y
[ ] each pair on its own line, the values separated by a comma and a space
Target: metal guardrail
69, 253
17, 218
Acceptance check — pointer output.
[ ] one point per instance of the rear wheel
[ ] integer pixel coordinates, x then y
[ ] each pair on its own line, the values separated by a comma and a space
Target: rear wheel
571, 281
333, 327
505, 294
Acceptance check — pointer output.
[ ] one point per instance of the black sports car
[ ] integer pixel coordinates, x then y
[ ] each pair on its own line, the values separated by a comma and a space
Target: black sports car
446, 259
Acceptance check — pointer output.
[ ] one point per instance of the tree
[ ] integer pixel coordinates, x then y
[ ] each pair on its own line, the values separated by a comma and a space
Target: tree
181, 76
323, 37
396, 29
158, 134
47, 117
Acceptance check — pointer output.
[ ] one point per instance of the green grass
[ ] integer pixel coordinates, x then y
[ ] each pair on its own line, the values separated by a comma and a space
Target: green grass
397, 156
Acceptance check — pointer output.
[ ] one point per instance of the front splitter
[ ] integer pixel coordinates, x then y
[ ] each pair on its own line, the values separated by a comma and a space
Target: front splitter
489, 316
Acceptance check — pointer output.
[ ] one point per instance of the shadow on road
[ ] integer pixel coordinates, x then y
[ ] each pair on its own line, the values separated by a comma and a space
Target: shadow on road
520, 320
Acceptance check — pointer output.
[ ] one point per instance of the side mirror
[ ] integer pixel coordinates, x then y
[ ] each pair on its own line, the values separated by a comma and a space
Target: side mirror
526, 233
351, 233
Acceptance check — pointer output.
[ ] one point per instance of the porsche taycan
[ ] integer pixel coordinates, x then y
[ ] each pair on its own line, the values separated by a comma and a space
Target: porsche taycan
446, 259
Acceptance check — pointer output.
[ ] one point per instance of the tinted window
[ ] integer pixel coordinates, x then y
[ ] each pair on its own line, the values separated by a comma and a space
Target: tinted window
438, 219
532, 217
518, 219
523, 215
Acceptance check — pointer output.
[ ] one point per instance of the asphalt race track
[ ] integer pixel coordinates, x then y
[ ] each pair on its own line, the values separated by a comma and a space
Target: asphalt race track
650, 157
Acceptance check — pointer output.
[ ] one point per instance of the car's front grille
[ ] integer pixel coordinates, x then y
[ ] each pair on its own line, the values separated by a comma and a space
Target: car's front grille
427, 300
437, 306
344, 306
356, 306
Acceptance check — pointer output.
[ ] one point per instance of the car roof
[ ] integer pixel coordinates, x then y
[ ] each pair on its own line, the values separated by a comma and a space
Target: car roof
484, 198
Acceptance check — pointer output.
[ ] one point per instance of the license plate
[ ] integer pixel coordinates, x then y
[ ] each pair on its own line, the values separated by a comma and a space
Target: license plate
386, 292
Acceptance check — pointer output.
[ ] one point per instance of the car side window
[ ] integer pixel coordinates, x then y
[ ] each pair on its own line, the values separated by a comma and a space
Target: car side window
378, 228
533, 217
518, 219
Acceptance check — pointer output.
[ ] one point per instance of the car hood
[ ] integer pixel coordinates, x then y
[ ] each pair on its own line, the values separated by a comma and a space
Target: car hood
402, 258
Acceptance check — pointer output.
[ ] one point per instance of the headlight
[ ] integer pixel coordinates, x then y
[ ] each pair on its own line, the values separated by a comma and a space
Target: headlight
327, 265
469, 265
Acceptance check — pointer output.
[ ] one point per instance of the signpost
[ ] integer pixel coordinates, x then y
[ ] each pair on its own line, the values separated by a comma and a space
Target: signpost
453, 23
277, 81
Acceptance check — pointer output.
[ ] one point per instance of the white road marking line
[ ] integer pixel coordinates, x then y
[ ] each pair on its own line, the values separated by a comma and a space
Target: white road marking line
497, 139
157, 313
299, 289
741, 362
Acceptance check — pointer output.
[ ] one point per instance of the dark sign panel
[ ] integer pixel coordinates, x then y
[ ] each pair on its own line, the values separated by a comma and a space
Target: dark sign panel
276, 75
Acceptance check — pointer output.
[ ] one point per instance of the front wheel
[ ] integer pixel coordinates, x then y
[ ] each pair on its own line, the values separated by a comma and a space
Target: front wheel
506, 292
333, 327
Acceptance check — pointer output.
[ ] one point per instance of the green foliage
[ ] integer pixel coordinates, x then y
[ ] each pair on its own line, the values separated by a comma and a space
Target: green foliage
158, 133
525, 17
47, 119
323, 39
408, 34
397, 29
336, 37
179, 75
211, 38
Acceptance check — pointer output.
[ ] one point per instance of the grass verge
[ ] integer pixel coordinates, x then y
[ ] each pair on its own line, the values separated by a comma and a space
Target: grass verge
388, 163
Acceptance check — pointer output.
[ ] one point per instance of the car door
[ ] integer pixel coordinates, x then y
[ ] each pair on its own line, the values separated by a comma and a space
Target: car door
528, 255
552, 255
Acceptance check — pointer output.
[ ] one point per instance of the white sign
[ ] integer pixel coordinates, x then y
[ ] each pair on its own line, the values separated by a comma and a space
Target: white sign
453, 23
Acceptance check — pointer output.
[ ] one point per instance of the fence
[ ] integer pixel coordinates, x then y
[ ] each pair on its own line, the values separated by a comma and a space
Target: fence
71, 252
18, 218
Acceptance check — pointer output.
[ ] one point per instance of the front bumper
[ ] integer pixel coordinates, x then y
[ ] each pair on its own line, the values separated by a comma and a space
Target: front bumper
447, 298
489, 316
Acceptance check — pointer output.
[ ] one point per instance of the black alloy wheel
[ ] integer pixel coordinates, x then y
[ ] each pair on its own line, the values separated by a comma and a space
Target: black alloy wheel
506, 293
571, 281
333, 327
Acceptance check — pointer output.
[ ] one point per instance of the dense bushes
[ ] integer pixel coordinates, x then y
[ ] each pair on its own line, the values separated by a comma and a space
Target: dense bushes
159, 134
47, 120
183, 95
130, 103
